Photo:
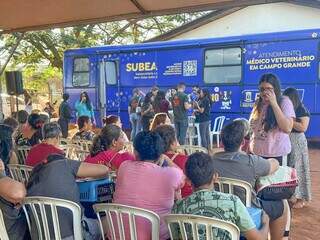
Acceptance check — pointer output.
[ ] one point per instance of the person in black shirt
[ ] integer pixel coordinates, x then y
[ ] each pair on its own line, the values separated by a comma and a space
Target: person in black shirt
299, 156
64, 115
202, 110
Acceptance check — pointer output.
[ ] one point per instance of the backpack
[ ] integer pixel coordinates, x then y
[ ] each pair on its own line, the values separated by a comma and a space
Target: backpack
279, 185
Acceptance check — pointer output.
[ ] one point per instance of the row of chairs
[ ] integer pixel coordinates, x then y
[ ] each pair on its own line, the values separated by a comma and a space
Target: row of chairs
40, 208
193, 131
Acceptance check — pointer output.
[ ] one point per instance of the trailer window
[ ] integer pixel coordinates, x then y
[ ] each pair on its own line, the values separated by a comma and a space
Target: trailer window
81, 72
111, 72
222, 65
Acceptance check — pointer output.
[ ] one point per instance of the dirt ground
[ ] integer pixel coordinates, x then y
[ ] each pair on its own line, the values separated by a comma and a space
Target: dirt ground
305, 222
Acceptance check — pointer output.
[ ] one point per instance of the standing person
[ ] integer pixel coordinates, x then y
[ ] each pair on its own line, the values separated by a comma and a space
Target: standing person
27, 101
134, 110
299, 156
147, 112
202, 109
64, 115
271, 121
180, 106
161, 104
84, 107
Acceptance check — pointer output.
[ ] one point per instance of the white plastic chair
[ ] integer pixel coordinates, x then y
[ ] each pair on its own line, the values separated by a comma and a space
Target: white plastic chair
3, 230
227, 185
116, 215
194, 222
188, 150
22, 153
84, 145
20, 173
217, 127
42, 207
193, 131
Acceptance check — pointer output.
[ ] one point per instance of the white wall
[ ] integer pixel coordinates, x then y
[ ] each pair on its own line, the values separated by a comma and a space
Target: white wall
274, 17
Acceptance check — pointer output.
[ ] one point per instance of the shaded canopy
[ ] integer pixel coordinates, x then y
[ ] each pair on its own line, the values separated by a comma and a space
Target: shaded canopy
25, 15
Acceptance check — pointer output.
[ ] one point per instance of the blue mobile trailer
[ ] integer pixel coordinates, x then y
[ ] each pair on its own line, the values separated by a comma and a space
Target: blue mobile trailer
229, 67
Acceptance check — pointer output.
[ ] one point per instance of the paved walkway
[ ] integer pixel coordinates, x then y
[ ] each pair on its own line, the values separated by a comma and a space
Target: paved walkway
306, 221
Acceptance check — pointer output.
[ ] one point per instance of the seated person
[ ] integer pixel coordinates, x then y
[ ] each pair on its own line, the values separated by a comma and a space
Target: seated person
168, 135
144, 184
115, 120
51, 137
31, 132
107, 146
85, 129
56, 177
22, 117
233, 163
159, 119
209, 203
12, 194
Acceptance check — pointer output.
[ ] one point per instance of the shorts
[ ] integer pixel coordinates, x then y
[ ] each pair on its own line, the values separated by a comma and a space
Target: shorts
274, 209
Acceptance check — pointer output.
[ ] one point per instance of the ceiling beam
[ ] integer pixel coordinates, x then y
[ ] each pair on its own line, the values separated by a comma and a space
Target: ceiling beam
139, 15
139, 6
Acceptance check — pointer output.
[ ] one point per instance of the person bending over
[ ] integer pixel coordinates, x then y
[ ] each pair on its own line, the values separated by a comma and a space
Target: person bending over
236, 164
200, 169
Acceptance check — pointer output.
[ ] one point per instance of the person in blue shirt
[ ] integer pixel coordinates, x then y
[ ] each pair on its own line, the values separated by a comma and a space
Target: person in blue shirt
84, 107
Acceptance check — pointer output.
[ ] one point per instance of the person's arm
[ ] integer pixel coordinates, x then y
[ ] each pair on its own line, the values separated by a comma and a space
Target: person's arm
301, 126
274, 165
11, 190
88, 170
261, 234
67, 111
284, 123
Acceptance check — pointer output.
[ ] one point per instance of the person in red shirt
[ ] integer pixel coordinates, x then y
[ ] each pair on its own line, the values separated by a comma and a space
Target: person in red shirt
168, 135
107, 148
50, 145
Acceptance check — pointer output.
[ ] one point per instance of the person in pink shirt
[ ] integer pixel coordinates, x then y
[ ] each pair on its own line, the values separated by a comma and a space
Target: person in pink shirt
145, 184
271, 121
107, 146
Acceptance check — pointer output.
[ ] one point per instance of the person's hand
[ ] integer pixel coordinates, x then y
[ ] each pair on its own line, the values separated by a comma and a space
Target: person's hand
264, 218
271, 97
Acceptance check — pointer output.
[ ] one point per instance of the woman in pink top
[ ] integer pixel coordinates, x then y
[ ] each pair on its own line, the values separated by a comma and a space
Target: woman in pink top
147, 185
271, 121
107, 146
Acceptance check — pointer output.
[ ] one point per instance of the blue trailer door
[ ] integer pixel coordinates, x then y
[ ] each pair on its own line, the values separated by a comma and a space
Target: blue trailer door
107, 87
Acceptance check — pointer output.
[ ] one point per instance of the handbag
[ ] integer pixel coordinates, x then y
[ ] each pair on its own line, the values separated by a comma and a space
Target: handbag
279, 185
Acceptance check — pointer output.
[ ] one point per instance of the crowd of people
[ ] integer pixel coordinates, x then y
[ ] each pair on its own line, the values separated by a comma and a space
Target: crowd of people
155, 176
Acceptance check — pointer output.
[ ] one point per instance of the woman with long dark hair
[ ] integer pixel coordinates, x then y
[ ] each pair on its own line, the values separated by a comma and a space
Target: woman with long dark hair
271, 121
107, 146
84, 107
160, 103
299, 156
202, 110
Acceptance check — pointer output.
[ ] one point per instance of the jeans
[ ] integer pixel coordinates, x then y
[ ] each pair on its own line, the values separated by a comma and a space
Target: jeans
135, 124
205, 134
64, 126
181, 130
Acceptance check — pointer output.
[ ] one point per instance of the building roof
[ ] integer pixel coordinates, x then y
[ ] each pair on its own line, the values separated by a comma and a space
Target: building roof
217, 14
